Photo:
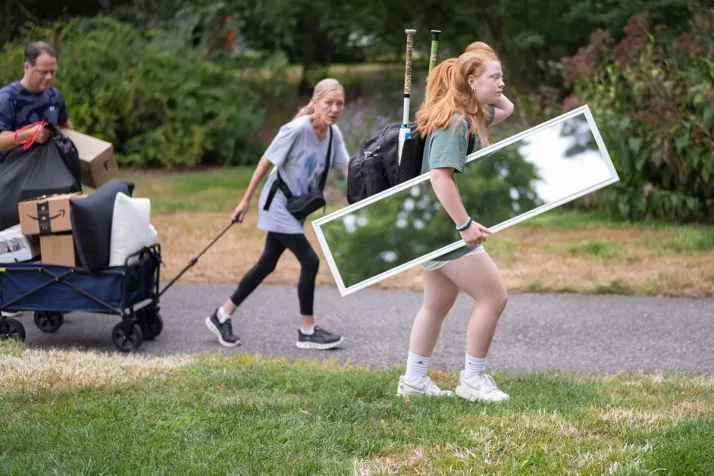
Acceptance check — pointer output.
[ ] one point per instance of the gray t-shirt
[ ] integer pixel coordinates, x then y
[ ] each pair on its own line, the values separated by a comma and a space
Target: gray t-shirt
300, 156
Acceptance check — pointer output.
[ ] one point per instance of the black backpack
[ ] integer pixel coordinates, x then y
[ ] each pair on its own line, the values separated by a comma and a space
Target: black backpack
376, 168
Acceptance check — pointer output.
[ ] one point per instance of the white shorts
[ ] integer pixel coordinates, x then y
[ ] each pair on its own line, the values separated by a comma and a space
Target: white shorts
434, 265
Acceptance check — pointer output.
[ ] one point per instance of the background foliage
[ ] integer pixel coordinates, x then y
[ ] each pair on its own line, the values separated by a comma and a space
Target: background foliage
160, 104
179, 82
653, 97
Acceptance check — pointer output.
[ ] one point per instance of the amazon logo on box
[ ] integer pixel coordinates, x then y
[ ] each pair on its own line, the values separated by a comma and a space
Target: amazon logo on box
46, 215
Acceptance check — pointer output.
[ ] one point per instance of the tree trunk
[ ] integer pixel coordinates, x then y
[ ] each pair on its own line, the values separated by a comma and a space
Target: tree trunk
308, 57
314, 52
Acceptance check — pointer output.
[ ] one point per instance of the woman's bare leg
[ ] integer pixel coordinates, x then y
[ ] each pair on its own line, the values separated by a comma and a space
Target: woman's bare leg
439, 296
479, 277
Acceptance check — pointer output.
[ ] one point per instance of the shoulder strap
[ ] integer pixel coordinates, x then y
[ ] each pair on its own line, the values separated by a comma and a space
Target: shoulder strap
472, 139
323, 179
274, 188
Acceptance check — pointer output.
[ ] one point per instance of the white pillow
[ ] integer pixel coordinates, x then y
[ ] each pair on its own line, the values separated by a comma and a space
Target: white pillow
130, 228
151, 240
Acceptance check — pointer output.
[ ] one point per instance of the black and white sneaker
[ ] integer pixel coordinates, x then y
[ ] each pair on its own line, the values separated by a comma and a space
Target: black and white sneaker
223, 331
320, 340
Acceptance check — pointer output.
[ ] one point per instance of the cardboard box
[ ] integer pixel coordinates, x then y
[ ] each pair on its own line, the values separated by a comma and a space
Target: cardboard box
16, 247
45, 215
58, 250
96, 158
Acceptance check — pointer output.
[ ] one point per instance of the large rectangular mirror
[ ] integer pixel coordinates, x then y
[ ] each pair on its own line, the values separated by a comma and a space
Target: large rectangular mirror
503, 184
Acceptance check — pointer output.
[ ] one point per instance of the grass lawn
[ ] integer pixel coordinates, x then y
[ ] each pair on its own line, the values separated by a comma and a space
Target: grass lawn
559, 251
248, 415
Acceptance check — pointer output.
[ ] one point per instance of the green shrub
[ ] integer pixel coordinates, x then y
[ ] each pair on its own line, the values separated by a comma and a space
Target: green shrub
653, 99
159, 103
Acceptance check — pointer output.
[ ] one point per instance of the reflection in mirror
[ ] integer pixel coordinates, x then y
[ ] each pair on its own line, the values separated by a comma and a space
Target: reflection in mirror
501, 185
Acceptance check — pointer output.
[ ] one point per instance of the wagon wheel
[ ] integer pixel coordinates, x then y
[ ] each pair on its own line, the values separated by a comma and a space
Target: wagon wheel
11, 329
48, 321
154, 325
127, 338
150, 322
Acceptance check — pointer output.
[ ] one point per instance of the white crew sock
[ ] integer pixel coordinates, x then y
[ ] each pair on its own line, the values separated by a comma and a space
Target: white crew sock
222, 316
474, 366
416, 366
308, 332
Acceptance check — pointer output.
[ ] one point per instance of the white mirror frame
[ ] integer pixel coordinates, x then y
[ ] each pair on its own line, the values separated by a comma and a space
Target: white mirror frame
585, 110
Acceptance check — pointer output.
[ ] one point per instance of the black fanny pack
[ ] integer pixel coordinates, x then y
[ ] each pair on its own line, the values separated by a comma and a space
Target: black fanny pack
300, 206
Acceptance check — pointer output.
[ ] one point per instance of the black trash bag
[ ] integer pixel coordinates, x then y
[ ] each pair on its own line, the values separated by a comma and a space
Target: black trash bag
43, 169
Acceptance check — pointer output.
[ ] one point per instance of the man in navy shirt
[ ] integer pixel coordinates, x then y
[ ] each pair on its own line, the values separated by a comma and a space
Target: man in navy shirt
32, 99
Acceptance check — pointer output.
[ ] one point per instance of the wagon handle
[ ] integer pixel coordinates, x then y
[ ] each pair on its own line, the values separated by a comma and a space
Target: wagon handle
195, 259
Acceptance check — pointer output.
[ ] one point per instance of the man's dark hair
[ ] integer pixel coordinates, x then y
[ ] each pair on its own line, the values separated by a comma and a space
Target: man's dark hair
34, 50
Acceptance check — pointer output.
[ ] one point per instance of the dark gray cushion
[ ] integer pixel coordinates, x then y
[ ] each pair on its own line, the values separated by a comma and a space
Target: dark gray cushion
92, 224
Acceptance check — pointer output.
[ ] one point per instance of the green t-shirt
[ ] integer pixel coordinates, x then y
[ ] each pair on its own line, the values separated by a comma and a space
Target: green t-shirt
447, 148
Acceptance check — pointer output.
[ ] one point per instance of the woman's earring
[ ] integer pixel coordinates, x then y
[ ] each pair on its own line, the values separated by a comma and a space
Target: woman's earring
473, 90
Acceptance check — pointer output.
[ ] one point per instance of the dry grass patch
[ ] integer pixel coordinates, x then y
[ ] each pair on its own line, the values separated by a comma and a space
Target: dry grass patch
514, 440
613, 458
415, 461
694, 408
507, 442
640, 419
632, 418
525, 426
559, 425
542, 260
38, 370
530, 259
276, 364
700, 383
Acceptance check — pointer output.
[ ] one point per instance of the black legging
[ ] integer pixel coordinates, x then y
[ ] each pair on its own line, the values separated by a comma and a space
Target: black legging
275, 244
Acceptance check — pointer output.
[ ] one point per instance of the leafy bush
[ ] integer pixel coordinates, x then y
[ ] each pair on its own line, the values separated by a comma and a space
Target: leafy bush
159, 103
652, 95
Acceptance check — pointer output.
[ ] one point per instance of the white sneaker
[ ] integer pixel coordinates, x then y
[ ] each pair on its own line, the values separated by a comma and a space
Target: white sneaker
479, 387
11, 314
420, 386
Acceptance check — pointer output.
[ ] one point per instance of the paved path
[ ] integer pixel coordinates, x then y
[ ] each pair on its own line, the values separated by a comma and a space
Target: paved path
591, 334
